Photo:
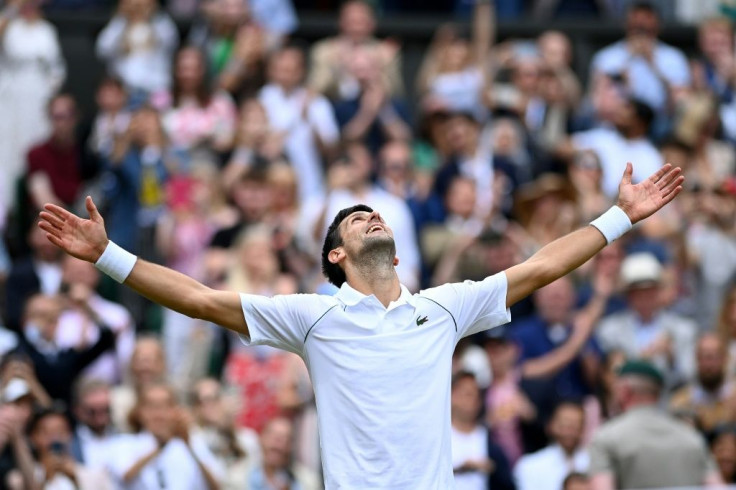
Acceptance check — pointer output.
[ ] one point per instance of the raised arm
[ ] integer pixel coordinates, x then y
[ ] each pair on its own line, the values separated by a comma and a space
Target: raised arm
86, 239
569, 252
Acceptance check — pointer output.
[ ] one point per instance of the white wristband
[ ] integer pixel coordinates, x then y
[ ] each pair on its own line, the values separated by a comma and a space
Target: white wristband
116, 262
613, 223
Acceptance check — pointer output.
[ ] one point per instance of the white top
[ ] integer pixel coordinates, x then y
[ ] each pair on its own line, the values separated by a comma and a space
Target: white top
614, 151
303, 119
461, 91
546, 469
93, 447
643, 81
470, 447
381, 375
173, 468
140, 54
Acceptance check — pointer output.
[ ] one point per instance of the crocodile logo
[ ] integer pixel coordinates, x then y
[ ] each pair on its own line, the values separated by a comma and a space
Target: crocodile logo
421, 321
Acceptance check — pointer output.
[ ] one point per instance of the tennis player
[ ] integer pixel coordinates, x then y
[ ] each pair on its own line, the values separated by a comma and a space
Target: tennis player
379, 356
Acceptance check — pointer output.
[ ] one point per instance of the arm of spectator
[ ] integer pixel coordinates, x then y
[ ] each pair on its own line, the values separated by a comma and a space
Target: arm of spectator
12, 433
321, 74
87, 356
429, 69
87, 240
371, 102
583, 324
484, 31
446, 269
133, 472
166, 32
40, 189
110, 41
249, 49
566, 254
393, 125
24, 370
602, 481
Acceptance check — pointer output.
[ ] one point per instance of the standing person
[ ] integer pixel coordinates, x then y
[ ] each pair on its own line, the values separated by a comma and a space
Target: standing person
31, 70
644, 447
379, 356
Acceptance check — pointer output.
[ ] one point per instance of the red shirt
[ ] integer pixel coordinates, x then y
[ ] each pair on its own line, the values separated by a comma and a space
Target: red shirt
61, 164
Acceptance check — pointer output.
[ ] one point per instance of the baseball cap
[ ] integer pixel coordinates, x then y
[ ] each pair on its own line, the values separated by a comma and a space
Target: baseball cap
642, 368
641, 269
16, 389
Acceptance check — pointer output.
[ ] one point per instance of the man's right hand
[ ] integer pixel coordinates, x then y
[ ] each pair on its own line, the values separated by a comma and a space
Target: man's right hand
84, 239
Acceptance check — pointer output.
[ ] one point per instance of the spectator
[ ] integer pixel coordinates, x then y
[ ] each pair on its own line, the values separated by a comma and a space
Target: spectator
56, 366
709, 397
195, 117
713, 70
33, 70
137, 45
627, 142
147, 366
112, 119
277, 469
453, 73
478, 463
723, 447
94, 430
306, 120
51, 436
331, 58
21, 387
637, 449
236, 448
38, 272
86, 313
371, 115
540, 334
163, 454
652, 70
645, 329
586, 176
576, 481
726, 326
350, 180
16, 461
55, 166
547, 469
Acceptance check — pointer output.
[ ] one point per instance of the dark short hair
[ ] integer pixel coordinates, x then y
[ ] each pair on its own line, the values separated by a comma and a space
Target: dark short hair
644, 6
573, 477
643, 111
334, 272
56, 409
460, 376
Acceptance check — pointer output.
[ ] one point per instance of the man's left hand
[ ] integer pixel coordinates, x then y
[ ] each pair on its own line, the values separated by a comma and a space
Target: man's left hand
641, 200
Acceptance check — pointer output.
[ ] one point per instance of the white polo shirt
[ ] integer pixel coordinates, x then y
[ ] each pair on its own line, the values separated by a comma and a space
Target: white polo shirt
381, 375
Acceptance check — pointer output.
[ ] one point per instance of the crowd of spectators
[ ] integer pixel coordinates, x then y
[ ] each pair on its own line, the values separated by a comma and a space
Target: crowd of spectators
224, 152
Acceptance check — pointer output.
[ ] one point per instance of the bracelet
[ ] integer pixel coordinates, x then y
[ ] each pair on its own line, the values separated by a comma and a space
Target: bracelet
116, 262
613, 223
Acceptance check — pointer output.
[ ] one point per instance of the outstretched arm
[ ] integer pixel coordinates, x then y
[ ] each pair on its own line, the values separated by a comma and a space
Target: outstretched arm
569, 252
86, 239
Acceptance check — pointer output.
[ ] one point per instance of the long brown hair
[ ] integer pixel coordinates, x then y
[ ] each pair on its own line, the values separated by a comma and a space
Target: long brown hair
203, 92
724, 327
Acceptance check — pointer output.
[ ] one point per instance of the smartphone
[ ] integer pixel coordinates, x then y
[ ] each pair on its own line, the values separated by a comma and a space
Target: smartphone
58, 448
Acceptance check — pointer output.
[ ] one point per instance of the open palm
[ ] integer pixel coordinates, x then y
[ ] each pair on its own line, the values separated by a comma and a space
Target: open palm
641, 200
84, 239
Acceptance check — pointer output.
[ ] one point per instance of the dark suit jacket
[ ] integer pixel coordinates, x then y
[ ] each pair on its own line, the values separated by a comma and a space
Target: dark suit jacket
23, 282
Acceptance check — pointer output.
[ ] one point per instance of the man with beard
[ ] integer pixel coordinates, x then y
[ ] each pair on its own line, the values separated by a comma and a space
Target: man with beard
709, 398
379, 357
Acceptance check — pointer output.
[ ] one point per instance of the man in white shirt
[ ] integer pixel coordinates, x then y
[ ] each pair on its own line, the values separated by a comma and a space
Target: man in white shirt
547, 469
306, 120
94, 430
654, 71
163, 454
626, 141
379, 357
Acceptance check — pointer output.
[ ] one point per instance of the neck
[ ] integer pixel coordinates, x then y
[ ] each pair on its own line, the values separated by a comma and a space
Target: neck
465, 426
569, 451
376, 278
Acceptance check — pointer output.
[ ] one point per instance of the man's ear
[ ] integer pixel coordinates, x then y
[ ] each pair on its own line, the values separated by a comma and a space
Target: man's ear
396, 261
336, 255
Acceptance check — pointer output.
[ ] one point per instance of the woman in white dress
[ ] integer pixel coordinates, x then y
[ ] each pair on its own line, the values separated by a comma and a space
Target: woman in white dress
31, 70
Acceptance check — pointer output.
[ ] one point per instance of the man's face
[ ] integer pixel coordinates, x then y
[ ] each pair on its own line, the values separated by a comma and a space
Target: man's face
554, 302
711, 362
642, 23
44, 313
465, 399
644, 300
63, 115
157, 409
147, 363
276, 443
356, 21
363, 232
566, 427
208, 407
94, 410
287, 69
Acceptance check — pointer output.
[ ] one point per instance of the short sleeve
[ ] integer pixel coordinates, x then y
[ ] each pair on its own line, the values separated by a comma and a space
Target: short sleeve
601, 457
474, 305
281, 321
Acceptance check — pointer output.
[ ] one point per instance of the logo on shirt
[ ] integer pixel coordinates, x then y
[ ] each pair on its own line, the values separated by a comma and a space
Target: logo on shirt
422, 320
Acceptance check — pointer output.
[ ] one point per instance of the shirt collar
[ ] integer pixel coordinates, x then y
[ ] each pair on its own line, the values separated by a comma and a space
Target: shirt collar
349, 296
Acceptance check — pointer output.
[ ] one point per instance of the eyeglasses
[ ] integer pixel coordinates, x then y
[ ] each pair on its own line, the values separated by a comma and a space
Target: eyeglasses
97, 411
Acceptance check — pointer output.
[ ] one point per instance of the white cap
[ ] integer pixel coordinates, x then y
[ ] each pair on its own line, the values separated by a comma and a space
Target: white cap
640, 269
15, 389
